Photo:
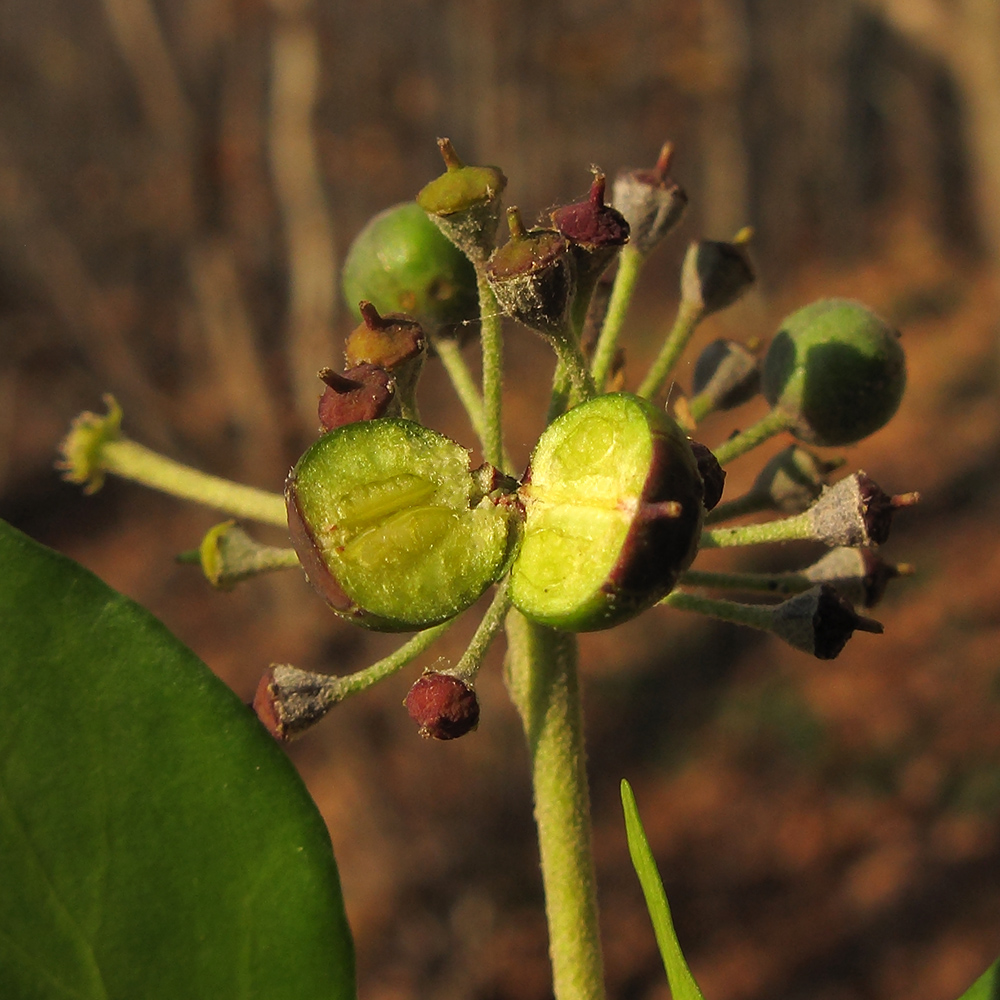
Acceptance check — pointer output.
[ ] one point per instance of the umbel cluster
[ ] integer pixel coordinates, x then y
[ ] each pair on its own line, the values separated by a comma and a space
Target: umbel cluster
399, 532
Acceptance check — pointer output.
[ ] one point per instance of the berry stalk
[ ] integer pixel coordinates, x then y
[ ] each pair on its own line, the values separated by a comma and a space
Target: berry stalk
630, 264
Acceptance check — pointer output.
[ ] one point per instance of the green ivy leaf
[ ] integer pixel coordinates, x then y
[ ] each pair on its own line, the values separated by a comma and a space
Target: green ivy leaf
987, 986
682, 984
154, 841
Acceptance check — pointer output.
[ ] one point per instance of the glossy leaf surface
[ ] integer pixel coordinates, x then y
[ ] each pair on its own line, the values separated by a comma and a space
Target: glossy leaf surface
154, 841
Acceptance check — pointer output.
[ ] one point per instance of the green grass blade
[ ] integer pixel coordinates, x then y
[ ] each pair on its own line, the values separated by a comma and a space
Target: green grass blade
682, 984
987, 986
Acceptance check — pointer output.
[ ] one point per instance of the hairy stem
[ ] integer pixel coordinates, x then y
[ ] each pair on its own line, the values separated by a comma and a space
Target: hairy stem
573, 366
343, 687
769, 583
630, 263
773, 422
492, 347
487, 630
465, 385
787, 529
541, 676
755, 615
129, 460
689, 315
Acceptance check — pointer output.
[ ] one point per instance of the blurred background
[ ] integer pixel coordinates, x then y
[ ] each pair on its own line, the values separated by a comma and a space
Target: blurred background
178, 184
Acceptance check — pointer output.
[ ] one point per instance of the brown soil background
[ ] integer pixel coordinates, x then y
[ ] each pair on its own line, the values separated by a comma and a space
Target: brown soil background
825, 830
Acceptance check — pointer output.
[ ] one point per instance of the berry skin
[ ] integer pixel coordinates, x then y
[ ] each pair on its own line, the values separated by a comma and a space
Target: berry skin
402, 263
613, 513
836, 370
443, 706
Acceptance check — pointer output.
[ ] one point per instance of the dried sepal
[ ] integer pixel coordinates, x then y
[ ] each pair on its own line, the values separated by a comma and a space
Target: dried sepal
80, 451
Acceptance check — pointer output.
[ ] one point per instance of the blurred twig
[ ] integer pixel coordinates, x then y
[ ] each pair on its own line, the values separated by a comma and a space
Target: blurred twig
144, 49
309, 235
246, 395
87, 312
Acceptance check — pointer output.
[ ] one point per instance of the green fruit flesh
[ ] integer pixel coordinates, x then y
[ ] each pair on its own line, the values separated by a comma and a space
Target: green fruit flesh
386, 507
837, 370
588, 479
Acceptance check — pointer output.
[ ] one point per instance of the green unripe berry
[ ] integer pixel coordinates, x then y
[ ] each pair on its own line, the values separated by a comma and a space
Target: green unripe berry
391, 525
613, 513
402, 263
836, 370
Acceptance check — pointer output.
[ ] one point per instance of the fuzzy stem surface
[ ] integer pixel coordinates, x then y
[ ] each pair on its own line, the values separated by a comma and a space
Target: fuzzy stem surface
573, 366
465, 385
689, 315
770, 583
130, 460
492, 346
349, 684
490, 625
798, 527
541, 676
630, 263
773, 422
755, 615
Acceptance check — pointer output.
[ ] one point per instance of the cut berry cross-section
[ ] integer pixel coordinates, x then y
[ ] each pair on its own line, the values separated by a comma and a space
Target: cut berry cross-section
613, 512
391, 526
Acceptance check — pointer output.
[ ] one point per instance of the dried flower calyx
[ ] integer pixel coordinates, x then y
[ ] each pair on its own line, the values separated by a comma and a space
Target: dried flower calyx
650, 200
793, 479
726, 375
596, 231
465, 203
855, 511
289, 701
715, 274
80, 451
820, 622
858, 574
533, 277
364, 392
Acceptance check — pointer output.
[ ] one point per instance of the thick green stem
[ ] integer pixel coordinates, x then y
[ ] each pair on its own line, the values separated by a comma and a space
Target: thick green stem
630, 263
541, 677
492, 346
560, 393
773, 422
130, 460
689, 315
